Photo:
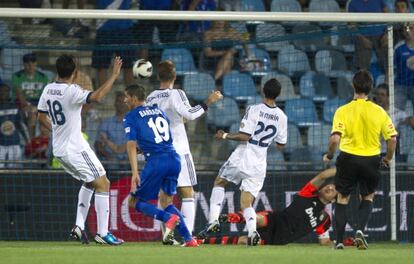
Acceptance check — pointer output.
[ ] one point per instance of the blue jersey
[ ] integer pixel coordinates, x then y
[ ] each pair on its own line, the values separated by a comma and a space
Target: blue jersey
149, 126
404, 65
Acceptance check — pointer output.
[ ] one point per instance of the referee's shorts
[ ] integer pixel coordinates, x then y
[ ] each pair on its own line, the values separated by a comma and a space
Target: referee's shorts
353, 170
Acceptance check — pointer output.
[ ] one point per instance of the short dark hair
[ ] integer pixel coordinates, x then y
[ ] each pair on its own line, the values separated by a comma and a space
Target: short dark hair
29, 57
362, 82
271, 89
136, 90
65, 66
166, 71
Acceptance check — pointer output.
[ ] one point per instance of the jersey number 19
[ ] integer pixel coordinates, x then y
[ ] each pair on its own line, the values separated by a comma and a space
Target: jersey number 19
160, 129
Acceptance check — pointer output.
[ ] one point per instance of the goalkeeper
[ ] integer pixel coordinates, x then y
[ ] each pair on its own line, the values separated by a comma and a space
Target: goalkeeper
305, 214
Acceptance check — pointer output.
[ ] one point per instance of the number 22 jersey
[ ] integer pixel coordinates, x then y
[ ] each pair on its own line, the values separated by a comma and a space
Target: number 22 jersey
63, 102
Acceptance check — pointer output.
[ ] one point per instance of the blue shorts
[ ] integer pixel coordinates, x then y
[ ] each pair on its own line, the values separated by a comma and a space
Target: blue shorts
160, 173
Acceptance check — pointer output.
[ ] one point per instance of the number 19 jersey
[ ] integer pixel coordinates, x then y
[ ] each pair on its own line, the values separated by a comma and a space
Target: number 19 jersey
149, 126
63, 102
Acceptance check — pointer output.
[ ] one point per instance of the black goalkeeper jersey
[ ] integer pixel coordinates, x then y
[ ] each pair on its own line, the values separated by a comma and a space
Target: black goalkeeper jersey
305, 214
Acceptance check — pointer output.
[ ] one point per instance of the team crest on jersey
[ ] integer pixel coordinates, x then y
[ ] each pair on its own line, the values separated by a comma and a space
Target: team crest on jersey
241, 124
321, 217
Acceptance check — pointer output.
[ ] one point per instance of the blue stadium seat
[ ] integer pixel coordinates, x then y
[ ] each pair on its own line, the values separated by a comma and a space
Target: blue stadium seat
252, 5
318, 136
239, 86
294, 139
406, 139
329, 108
288, 90
331, 62
268, 35
307, 158
198, 85
301, 112
4, 34
224, 113
254, 100
182, 58
380, 80
234, 128
292, 61
315, 86
344, 89
239, 26
324, 6
308, 37
275, 159
286, 6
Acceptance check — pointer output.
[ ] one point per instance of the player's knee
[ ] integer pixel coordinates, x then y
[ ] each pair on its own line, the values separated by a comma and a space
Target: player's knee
219, 182
132, 201
186, 192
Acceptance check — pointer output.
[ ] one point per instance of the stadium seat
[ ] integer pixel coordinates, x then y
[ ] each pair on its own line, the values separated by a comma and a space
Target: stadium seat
292, 61
288, 90
182, 58
331, 62
406, 139
344, 89
258, 57
294, 139
301, 112
239, 26
308, 37
329, 108
223, 114
324, 6
318, 136
275, 159
234, 128
252, 5
4, 34
315, 86
306, 158
240, 86
254, 100
380, 80
268, 36
11, 60
198, 85
286, 6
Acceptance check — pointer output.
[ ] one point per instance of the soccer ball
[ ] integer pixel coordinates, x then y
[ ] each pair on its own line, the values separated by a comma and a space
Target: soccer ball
142, 69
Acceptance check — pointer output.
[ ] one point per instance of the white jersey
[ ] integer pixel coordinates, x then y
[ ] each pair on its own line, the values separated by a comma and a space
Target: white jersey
265, 125
175, 104
63, 102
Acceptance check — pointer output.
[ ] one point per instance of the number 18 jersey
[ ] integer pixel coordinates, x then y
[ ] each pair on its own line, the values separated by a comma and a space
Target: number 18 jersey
63, 102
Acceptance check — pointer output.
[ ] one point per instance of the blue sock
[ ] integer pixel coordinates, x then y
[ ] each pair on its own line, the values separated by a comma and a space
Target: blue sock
152, 211
182, 228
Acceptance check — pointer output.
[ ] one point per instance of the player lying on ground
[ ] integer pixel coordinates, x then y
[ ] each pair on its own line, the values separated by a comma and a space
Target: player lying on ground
305, 214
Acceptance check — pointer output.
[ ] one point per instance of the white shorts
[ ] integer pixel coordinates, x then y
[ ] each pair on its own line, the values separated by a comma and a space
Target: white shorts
83, 166
187, 175
232, 171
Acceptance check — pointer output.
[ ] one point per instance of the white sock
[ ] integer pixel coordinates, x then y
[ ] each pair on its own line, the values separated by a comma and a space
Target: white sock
84, 201
188, 212
250, 216
102, 212
216, 201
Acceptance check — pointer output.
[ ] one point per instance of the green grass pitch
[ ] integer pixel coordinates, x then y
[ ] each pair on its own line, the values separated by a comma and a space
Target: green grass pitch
148, 253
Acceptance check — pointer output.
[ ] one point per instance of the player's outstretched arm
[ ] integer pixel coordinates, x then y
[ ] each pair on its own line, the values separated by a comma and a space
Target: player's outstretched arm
132, 156
184, 108
104, 89
319, 179
220, 134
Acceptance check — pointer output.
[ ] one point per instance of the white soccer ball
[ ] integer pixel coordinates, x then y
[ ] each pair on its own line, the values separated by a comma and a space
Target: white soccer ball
142, 69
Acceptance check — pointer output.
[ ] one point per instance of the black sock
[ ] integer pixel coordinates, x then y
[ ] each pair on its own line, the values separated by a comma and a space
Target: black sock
364, 212
340, 222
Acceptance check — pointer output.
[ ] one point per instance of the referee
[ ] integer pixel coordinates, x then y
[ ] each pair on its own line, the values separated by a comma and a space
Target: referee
357, 128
